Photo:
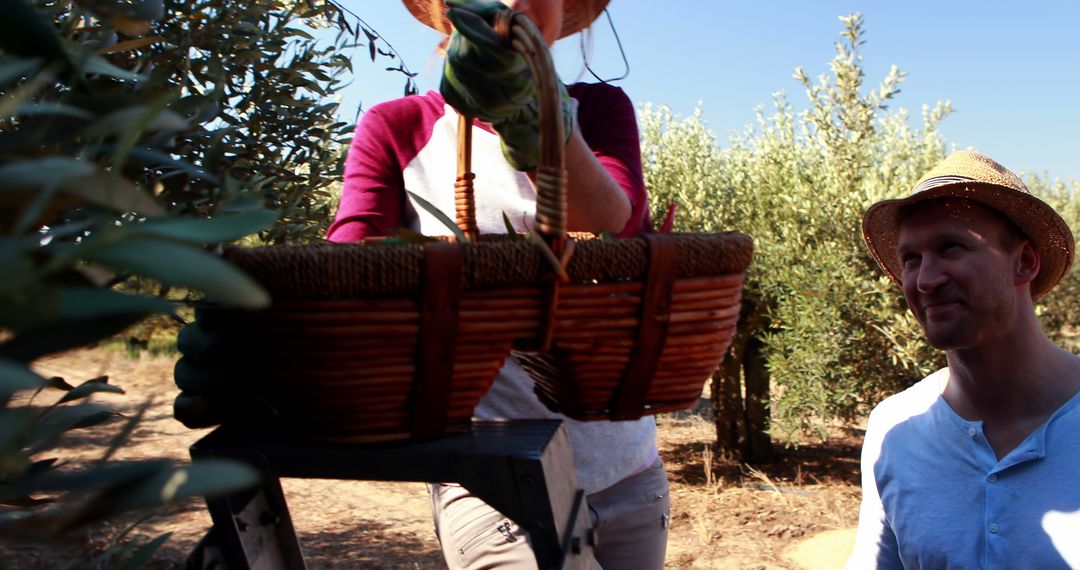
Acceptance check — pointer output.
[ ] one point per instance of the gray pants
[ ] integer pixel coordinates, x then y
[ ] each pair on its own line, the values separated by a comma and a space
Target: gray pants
630, 517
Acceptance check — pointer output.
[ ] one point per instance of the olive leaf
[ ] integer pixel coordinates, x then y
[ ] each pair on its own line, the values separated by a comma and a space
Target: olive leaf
90, 387
181, 265
443, 218
16, 376
210, 230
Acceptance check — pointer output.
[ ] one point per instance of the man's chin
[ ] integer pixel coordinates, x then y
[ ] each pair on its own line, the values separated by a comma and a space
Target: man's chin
945, 340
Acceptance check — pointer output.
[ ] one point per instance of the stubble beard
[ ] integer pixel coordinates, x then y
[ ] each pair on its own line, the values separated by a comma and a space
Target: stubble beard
971, 326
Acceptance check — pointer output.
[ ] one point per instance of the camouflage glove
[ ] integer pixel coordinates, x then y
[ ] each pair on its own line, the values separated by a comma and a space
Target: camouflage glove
210, 374
486, 79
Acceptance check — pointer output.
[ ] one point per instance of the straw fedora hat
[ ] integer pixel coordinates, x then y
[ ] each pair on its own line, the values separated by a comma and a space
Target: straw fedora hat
973, 176
577, 14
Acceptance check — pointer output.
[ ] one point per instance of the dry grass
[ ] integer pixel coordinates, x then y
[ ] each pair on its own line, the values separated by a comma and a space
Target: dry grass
727, 515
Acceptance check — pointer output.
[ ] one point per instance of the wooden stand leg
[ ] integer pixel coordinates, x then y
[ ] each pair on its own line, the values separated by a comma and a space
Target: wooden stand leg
253, 529
207, 554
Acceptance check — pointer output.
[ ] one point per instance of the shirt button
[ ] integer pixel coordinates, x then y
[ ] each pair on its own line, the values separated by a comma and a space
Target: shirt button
992, 478
971, 432
993, 527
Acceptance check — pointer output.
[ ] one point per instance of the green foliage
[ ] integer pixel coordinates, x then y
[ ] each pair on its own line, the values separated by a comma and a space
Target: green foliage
133, 134
1059, 310
249, 79
246, 78
250, 72
836, 332
250, 96
118, 167
41, 499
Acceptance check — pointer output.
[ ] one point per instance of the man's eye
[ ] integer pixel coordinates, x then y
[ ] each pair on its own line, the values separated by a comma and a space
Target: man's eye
909, 260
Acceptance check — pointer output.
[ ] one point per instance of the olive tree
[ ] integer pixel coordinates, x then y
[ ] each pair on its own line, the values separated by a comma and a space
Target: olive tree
133, 135
822, 334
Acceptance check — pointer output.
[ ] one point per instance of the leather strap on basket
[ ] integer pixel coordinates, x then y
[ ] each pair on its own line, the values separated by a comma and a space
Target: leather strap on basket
652, 329
437, 338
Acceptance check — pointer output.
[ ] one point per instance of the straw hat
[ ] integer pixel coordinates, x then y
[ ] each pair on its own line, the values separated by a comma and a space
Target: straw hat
577, 14
973, 176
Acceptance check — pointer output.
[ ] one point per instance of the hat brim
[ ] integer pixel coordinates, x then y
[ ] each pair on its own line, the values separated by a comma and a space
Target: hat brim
1045, 229
577, 14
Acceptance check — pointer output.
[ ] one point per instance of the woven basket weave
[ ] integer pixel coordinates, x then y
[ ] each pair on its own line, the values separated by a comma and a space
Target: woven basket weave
367, 342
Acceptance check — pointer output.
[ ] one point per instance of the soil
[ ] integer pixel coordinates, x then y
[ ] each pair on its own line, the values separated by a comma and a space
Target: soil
795, 512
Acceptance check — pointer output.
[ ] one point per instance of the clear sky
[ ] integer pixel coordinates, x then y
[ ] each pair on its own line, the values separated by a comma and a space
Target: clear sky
1011, 69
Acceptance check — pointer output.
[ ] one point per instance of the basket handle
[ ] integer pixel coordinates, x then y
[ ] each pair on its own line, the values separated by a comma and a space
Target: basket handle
464, 198
523, 37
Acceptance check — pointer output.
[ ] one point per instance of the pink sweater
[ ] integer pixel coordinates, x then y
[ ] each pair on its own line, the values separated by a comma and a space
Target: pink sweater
399, 144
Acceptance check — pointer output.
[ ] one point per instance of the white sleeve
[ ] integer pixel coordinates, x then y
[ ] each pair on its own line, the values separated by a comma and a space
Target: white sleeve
875, 542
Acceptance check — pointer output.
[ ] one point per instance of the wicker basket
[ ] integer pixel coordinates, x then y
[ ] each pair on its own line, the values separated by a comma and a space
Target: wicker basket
367, 342
611, 359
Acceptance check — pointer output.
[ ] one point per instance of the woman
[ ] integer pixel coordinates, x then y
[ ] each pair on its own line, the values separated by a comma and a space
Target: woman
410, 143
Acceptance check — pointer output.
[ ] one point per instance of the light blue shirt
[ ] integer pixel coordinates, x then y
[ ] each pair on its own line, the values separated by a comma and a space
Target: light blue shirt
936, 496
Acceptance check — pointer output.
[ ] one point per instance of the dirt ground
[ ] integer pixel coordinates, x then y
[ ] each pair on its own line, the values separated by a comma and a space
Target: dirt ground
793, 513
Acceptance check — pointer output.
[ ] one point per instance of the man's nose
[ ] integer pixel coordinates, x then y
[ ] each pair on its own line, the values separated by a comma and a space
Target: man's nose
931, 276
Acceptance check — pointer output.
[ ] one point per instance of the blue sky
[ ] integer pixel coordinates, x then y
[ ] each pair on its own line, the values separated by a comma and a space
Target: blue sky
1010, 69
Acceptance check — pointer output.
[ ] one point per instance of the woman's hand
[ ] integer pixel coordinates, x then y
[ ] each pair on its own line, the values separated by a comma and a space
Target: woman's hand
484, 78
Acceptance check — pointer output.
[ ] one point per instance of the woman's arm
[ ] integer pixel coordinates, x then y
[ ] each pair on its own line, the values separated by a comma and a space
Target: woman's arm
606, 191
371, 194
605, 184
595, 201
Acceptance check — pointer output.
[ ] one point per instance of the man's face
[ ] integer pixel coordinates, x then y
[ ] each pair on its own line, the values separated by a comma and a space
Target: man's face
958, 267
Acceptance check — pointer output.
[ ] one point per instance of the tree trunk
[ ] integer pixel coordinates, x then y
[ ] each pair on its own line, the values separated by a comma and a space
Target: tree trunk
756, 380
742, 422
727, 404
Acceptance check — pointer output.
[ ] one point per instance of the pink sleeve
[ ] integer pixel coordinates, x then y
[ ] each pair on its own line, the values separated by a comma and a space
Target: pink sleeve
372, 195
609, 126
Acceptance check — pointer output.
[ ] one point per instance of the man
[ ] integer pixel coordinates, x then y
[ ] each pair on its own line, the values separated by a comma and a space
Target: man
977, 465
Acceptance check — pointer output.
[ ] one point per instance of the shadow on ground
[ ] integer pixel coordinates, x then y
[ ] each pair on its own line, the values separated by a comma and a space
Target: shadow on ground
834, 461
365, 545
368, 545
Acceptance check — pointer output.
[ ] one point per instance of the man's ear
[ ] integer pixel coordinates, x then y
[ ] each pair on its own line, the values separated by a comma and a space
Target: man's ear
1027, 264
